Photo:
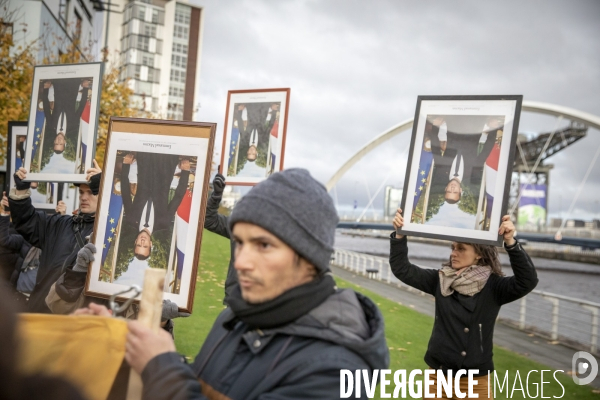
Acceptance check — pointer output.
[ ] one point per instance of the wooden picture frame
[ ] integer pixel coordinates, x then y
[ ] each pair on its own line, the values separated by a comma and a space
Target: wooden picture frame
63, 121
161, 224
254, 135
44, 195
464, 200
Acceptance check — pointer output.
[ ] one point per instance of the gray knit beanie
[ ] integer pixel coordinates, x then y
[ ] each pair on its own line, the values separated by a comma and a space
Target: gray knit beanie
296, 208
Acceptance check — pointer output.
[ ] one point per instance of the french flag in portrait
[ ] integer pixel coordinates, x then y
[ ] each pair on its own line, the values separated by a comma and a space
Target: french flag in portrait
235, 136
273, 144
83, 128
40, 118
182, 223
424, 168
491, 171
112, 220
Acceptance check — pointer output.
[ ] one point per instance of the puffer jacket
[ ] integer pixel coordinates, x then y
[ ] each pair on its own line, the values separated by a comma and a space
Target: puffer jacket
300, 360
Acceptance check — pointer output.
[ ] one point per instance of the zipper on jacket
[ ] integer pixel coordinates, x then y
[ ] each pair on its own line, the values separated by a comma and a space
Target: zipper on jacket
481, 338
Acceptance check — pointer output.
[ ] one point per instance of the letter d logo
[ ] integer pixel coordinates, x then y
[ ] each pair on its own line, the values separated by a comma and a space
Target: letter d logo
584, 363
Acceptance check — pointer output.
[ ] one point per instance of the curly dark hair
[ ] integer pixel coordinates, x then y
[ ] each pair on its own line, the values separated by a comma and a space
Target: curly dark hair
488, 254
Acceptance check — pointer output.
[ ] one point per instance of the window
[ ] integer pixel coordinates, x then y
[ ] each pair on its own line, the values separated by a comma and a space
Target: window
150, 30
141, 13
178, 61
148, 60
182, 14
155, 16
181, 32
143, 43
180, 48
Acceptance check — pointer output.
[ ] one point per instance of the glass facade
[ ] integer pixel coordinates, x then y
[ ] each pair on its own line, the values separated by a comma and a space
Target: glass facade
150, 53
179, 59
141, 51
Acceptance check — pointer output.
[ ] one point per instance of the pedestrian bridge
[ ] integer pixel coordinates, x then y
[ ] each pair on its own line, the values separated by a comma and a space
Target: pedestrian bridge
572, 114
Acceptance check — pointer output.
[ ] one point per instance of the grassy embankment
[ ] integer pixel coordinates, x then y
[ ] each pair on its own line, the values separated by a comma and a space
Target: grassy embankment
407, 331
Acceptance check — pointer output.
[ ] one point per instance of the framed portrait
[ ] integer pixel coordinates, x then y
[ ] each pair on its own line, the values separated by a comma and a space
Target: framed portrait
151, 206
459, 167
254, 135
63, 119
44, 195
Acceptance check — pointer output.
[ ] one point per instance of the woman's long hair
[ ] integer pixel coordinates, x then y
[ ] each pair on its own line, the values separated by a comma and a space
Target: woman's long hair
489, 257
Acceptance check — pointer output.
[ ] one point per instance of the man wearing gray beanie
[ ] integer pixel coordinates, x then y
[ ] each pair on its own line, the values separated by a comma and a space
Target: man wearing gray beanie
288, 330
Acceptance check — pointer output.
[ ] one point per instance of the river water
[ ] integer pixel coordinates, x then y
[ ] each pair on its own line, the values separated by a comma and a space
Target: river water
578, 280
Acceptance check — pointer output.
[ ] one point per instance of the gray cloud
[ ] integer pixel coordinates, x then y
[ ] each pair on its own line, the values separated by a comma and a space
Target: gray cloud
356, 69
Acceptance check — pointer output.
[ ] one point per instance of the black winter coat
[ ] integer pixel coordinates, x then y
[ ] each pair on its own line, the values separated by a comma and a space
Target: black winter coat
462, 336
55, 236
300, 360
13, 250
219, 224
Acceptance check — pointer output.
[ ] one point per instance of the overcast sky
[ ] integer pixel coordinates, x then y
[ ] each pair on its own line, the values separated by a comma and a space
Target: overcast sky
355, 69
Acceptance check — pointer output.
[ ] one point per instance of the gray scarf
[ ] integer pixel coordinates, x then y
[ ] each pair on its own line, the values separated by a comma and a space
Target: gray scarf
469, 282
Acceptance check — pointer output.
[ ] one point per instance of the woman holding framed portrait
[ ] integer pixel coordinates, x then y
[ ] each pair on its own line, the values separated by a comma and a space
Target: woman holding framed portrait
469, 290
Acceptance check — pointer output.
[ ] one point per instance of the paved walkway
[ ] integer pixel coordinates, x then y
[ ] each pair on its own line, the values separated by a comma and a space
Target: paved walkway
536, 348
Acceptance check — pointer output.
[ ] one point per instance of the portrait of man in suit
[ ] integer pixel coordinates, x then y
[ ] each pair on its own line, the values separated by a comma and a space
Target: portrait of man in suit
152, 209
254, 122
459, 154
63, 102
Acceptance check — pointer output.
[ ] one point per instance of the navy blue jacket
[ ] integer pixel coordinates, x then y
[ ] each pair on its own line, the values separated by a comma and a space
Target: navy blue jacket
301, 360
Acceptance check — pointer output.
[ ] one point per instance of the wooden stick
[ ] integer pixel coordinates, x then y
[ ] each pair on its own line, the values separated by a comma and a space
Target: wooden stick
149, 315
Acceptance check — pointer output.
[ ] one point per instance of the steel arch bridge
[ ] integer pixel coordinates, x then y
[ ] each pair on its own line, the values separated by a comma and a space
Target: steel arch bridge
572, 114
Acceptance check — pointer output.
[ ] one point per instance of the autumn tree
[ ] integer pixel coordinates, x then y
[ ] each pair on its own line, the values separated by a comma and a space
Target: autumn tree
16, 73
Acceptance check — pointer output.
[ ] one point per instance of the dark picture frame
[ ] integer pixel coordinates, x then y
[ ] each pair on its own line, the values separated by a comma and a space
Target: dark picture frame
459, 167
254, 135
15, 153
63, 121
151, 206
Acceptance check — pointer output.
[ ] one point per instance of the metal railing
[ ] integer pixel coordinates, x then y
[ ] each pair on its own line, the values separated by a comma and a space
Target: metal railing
561, 319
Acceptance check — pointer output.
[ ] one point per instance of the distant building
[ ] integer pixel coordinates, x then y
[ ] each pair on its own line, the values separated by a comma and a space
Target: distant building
160, 43
575, 223
391, 201
593, 224
555, 222
55, 24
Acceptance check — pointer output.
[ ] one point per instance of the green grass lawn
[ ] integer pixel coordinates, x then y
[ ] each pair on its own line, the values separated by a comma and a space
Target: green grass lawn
407, 331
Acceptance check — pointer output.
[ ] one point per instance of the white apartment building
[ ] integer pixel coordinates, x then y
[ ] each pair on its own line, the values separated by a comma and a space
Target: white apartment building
54, 25
159, 43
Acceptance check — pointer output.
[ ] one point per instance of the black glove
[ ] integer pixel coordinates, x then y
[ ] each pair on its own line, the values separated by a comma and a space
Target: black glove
170, 311
84, 257
19, 184
218, 185
95, 183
